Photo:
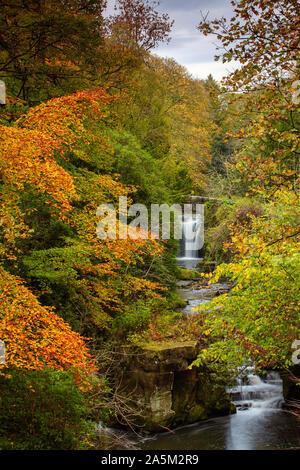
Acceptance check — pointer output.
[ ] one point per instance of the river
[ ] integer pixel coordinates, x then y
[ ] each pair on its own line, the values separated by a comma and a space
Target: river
260, 422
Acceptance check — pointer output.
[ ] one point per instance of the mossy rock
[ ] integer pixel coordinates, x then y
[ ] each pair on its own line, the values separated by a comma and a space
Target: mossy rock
187, 274
207, 266
291, 391
167, 392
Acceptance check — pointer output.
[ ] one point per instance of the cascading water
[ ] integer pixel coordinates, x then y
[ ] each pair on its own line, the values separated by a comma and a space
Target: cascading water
253, 391
192, 230
259, 424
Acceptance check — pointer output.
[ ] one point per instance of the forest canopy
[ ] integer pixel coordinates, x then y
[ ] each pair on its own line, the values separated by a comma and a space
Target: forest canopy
93, 114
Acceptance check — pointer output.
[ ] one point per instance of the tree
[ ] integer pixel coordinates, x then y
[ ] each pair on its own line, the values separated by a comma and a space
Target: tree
168, 111
53, 48
259, 318
43, 410
144, 27
58, 147
263, 36
48, 46
34, 336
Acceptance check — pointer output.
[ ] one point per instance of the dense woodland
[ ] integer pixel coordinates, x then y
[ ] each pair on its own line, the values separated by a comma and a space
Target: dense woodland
93, 114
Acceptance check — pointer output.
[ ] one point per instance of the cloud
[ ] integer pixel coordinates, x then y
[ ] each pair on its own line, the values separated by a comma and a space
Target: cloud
216, 69
188, 46
110, 7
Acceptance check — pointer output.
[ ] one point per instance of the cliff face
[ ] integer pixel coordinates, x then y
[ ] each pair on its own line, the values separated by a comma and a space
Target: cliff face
166, 393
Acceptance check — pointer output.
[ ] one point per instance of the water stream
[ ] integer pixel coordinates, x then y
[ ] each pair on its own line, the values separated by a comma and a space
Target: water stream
260, 422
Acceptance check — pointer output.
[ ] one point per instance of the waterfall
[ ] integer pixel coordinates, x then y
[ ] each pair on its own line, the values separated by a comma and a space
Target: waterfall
190, 242
253, 391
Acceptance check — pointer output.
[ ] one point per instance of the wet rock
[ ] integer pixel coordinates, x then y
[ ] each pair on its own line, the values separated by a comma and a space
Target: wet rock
244, 406
184, 284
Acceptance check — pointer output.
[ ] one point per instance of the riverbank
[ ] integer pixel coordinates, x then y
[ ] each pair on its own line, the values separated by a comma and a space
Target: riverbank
260, 422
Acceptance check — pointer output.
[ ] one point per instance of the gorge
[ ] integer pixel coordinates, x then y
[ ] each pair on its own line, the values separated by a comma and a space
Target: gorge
186, 407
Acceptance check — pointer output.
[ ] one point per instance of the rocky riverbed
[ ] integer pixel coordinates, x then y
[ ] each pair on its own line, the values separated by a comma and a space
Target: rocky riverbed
197, 292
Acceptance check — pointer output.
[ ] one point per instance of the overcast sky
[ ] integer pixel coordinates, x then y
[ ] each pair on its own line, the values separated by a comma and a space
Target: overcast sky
188, 46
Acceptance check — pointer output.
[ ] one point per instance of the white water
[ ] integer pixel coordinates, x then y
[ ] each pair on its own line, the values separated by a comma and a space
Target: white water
259, 408
253, 392
259, 424
192, 231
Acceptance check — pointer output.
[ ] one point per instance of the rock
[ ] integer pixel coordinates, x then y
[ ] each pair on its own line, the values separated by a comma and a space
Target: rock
184, 284
166, 393
206, 266
291, 391
187, 274
244, 406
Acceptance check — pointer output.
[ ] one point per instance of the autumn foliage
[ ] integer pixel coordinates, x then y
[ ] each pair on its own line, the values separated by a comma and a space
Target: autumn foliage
33, 153
259, 318
34, 335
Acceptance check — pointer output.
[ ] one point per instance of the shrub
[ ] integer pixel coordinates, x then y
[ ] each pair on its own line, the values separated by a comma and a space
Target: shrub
134, 318
218, 220
42, 410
